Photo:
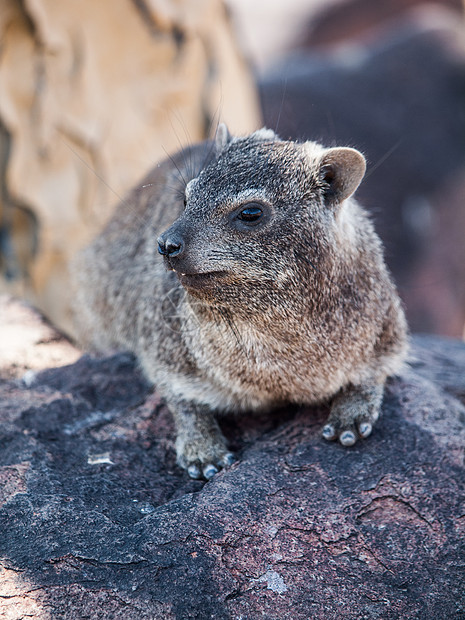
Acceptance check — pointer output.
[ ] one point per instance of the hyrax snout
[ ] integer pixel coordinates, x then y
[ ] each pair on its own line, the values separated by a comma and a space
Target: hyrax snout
244, 275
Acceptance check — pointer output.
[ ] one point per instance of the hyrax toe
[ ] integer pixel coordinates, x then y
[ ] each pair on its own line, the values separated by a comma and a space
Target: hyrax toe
364, 429
347, 438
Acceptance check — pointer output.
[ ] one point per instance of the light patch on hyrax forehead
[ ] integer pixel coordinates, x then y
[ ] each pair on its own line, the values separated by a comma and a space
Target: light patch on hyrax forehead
251, 194
190, 187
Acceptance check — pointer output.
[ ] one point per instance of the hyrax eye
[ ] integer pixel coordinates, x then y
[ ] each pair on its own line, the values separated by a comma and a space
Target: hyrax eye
250, 213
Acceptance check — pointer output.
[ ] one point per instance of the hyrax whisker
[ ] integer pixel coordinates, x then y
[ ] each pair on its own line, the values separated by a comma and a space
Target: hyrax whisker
188, 163
382, 159
175, 164
280, 293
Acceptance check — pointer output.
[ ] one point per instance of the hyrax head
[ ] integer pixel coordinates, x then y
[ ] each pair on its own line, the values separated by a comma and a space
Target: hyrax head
257, 215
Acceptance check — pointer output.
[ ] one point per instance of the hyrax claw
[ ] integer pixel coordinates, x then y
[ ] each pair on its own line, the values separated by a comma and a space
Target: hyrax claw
347, 438
209, 471
194, 472
365, 429
329, 432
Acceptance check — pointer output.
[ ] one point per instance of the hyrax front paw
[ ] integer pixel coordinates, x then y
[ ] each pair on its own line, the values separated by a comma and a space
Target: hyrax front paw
200, 445
202, 457
353, 414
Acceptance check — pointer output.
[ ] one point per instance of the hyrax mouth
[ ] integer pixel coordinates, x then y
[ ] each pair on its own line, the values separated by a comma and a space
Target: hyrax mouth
200, 280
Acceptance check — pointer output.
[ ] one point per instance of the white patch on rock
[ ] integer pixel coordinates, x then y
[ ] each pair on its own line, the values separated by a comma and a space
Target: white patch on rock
99, 459
29, 378
274, 581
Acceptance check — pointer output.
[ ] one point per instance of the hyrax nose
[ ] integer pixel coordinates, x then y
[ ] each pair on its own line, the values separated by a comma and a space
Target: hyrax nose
170, 244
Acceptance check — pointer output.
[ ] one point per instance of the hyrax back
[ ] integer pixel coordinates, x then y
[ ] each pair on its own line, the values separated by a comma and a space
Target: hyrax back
244, 275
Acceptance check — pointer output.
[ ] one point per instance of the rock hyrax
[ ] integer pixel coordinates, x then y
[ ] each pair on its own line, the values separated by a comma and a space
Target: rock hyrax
243, 275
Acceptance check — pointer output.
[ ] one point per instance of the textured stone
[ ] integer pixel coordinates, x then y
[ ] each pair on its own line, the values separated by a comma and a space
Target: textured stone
97, 520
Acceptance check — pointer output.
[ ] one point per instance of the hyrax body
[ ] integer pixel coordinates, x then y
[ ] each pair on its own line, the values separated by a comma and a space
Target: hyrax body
244, 275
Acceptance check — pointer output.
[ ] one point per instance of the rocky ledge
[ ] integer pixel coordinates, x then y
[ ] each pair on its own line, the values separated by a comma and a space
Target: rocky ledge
97, 521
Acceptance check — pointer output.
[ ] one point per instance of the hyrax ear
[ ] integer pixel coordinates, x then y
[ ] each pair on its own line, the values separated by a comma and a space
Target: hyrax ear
341, 170
222, 137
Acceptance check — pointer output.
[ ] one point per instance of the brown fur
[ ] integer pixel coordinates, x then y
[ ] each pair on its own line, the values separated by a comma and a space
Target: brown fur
298, 306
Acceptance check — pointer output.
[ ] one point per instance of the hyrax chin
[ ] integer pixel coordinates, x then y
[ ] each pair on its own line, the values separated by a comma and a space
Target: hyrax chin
244, 275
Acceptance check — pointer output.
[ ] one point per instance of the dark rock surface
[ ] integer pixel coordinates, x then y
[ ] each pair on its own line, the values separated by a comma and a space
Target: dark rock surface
96, 520
340, 21
399, 97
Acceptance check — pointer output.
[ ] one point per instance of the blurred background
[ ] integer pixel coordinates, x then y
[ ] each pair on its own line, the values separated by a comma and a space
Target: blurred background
93, 94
